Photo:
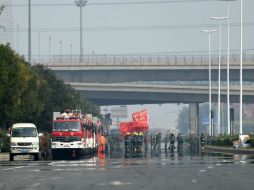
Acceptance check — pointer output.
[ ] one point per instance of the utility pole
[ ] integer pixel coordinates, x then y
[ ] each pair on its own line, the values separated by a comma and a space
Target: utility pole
81, 4
29, 31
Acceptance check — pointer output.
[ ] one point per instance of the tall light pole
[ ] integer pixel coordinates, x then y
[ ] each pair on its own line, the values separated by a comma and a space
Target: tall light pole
81, 4
50, 49
241, 73
17, 38
29, 31
219, 72
71, 52
209, 32
60, 48
228, 96
39, 45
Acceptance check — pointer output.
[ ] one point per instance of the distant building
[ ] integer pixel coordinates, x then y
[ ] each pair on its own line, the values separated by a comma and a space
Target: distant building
6, 24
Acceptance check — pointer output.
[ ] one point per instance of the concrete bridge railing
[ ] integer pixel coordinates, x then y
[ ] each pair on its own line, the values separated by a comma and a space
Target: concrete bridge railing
140, 60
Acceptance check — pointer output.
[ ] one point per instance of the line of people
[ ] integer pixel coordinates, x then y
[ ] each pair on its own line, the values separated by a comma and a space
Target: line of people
134, 144
170, 142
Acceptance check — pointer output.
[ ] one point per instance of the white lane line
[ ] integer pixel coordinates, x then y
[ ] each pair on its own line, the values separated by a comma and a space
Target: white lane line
118, 183
210, 167
115, 183
35, 185
194, 181
18, 167
202, 170
36, 170
55, 178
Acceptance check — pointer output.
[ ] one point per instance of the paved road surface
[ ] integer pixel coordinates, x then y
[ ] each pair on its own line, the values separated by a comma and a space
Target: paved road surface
172, 172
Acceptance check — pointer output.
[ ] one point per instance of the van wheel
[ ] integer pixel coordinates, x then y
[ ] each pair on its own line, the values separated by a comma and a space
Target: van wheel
36, 157
11, 158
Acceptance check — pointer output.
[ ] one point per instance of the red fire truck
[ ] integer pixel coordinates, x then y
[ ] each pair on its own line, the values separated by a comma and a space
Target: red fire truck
74, 135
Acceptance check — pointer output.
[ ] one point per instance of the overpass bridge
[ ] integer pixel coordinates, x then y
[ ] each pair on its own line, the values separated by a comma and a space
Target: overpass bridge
113, 79
138, 93
132, 68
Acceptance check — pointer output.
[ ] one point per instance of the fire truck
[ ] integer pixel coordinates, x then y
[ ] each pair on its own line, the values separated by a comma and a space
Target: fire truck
74, 135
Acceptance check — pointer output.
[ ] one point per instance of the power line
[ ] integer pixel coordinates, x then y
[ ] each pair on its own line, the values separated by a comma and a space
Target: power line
114, 3
126, 28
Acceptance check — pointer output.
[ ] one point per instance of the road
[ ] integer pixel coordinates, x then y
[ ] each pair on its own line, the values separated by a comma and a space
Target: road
172, 172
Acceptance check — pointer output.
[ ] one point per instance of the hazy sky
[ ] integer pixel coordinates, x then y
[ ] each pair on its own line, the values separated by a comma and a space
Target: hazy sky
166, 26
122, 28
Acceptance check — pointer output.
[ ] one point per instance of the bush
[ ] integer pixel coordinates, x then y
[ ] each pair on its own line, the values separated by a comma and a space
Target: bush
4, 141
251, 141
223, 140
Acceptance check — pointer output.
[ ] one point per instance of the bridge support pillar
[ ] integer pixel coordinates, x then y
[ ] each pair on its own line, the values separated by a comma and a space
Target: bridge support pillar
194, 127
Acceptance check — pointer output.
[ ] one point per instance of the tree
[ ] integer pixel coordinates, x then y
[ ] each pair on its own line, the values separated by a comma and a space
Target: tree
32, 93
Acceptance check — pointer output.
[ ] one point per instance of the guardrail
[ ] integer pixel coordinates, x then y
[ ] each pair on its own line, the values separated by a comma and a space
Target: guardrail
140, 60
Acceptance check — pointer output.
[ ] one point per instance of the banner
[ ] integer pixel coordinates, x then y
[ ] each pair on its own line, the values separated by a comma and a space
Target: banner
140, 123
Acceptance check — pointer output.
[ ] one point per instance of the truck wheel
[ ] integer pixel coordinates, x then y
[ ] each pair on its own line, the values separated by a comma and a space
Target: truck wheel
36, 157
54, 155
11, 157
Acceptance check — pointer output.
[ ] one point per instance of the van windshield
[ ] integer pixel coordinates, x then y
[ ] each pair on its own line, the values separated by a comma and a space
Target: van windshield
24, 132
66, 126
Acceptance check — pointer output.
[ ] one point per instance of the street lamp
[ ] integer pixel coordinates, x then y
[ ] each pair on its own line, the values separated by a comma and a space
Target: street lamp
50, 49
81, 4
241, 73
29, 31
60, 48
209, 32
39, 45
228, 97
220, 19
71, 52
17, 38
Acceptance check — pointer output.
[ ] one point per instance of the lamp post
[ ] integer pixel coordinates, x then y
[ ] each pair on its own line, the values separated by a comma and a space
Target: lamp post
241, 72
60, 48
220, 19
228, 97
29, 31
50, 49
39, 45
17, 38
71, 53
209, 32
81, 4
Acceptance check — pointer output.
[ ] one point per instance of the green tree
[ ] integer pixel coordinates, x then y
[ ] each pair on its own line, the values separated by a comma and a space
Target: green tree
59, 97
32, 94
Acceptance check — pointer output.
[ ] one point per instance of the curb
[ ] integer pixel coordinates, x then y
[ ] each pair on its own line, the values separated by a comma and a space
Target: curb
4, 156
214, 149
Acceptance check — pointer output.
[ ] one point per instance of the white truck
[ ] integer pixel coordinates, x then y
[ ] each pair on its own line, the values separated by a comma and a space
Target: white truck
24, 140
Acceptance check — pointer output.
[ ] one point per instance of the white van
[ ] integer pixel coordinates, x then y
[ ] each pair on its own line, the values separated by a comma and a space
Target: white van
24, 139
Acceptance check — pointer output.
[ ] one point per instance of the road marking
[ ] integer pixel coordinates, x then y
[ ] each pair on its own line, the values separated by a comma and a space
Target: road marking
202, 170
18, 167
115, 183
36, 170
118, 183
194, 181
54, 178
36, 185
210, 167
